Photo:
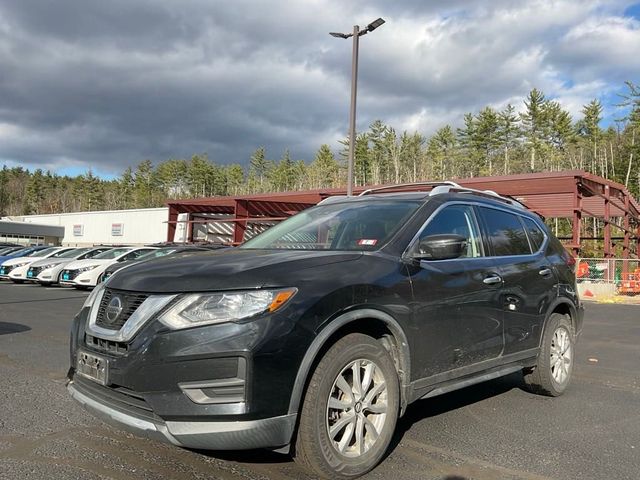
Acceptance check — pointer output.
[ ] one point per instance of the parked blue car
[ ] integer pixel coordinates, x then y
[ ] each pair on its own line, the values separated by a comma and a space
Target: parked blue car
21, 253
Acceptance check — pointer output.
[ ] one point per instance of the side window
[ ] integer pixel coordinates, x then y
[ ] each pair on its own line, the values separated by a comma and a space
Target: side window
137, 253
132, 255
506, 233
460, 220
536, 237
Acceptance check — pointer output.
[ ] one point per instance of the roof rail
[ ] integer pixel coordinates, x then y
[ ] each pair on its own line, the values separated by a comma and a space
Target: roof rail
484, 193
408, 185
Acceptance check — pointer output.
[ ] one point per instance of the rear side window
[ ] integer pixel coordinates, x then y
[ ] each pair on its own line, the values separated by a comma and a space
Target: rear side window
536, 237
506, 233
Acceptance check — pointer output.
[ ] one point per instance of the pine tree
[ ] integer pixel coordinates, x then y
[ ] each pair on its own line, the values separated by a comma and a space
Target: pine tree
508, 133
533, 120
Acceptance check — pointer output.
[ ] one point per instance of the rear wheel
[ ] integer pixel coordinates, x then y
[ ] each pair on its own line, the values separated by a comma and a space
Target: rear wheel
350, 409
552, 375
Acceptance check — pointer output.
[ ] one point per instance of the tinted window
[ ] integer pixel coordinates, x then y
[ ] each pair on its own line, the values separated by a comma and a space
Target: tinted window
506, 233
459, 220
536, 237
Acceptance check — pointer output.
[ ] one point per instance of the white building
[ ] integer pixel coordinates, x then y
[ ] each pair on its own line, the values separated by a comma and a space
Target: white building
130, 227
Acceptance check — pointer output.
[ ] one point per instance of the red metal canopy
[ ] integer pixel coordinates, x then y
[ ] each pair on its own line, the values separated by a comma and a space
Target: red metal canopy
573, 194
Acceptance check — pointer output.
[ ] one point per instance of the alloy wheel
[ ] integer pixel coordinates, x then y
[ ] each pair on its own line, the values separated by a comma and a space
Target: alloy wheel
561, 355
357, 408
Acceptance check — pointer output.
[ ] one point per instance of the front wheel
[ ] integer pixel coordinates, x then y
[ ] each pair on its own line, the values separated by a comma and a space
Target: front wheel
350, 409
552, 375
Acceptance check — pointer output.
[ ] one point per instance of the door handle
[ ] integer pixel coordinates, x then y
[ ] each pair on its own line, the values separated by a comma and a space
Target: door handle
545, 272
492, 279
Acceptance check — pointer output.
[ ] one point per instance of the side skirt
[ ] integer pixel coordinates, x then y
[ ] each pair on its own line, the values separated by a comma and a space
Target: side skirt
472, 374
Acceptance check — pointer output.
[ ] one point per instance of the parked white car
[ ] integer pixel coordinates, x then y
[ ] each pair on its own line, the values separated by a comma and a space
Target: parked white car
16, 268
47, 271
85, 273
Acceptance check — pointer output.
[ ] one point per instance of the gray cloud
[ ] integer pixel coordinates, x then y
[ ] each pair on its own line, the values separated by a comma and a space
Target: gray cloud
107, 84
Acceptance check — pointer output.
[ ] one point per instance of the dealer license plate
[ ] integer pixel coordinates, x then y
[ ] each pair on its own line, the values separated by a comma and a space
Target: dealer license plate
93, 367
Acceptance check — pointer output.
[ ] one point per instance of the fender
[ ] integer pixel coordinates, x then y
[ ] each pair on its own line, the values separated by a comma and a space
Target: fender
332, 327
552, 307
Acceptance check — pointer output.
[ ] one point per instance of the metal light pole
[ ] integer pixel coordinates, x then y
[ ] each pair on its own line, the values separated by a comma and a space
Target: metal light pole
357, 33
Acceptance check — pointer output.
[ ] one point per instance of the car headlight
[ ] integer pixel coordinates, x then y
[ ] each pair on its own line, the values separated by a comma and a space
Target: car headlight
45, 267
17, 265
86, 269
220, 307
92, 296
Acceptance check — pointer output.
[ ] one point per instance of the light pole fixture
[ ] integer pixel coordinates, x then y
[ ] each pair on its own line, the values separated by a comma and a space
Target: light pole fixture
357, 33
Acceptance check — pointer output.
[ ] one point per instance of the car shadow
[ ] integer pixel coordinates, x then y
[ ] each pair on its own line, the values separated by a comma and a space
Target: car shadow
432, 407
416, 412
7, 328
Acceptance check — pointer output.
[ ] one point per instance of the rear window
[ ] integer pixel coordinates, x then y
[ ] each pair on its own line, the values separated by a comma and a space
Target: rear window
506, 233
536, 237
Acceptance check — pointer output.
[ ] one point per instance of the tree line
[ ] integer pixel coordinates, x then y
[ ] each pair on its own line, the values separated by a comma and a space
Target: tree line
542, 137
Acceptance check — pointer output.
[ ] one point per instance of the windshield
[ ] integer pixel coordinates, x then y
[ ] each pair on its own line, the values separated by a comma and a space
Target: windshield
156, 254
91, 252
7, 250
19, 253
63, 253
73, 253
343, 226
41, 253
111, 254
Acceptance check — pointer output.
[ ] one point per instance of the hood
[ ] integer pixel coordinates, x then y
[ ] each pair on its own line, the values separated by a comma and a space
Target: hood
51, 261
75, 264
18, 260
228, 269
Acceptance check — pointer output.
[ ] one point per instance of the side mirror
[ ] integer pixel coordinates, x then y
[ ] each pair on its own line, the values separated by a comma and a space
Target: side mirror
441, 247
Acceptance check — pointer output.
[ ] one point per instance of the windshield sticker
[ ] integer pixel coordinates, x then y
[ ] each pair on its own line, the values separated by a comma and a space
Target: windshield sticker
367, 241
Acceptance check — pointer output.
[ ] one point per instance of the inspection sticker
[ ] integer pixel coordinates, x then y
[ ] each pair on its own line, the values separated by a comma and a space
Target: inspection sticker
367, 241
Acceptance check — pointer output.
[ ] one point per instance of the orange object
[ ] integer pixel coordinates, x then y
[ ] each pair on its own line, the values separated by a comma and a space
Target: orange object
630, 283
582, 270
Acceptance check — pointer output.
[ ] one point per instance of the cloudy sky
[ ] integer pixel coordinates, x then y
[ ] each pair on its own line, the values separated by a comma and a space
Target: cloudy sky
106, 84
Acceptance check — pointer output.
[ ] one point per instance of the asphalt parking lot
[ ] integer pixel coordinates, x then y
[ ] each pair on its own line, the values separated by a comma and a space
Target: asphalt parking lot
491, 431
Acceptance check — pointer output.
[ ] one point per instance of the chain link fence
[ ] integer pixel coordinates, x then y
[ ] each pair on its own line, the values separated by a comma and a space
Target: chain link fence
621, 275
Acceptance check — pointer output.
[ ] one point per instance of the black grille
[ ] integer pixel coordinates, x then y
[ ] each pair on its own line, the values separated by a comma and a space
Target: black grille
69, 274
6, 269
33, 272
108, 346
119, 398
130, 303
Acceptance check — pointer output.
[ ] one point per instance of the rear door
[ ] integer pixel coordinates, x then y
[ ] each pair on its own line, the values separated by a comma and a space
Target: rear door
457, 307
529, 283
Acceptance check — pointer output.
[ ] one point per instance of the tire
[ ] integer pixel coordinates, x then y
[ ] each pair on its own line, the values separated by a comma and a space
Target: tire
552, 375
375, 411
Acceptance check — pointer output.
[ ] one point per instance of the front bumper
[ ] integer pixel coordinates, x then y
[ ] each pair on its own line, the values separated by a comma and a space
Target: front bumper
19, 273
210, 435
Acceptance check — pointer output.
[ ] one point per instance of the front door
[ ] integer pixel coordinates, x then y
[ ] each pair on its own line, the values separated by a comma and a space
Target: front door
457, 311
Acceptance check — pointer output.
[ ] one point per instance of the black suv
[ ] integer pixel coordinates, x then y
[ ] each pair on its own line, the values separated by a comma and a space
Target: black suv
314, 337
